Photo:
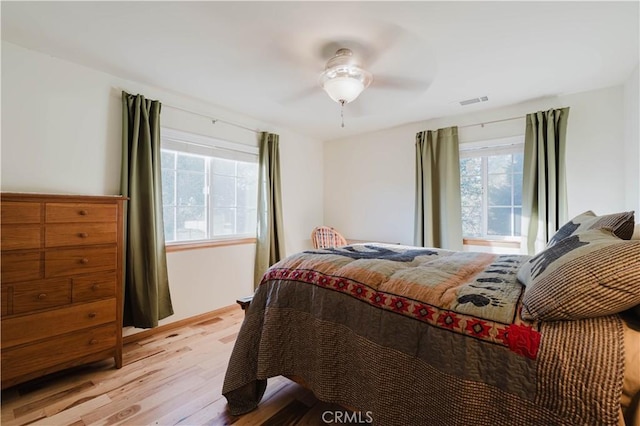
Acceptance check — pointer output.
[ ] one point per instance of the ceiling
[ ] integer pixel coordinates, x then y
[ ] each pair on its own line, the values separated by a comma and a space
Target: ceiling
263, 59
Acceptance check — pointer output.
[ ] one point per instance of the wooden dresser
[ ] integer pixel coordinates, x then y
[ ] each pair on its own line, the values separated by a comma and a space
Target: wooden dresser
61, 282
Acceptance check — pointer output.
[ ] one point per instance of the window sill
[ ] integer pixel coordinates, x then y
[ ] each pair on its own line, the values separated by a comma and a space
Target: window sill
171, 247
490, 243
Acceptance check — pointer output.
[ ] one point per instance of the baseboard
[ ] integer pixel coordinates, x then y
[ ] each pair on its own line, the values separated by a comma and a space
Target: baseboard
132, 338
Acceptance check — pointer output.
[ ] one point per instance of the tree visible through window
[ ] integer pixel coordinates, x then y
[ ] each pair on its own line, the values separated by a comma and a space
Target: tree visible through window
491, 190
206, 197
184, 187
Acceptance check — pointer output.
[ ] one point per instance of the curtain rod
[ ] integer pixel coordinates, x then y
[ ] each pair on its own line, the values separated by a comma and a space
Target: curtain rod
491, 122
213, 119
222, 148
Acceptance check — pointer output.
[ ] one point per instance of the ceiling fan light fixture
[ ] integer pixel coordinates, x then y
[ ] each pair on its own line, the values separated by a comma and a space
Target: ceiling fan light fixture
343, 79
343, 89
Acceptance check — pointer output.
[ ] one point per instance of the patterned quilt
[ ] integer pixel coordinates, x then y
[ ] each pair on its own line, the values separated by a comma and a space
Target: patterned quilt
420, 336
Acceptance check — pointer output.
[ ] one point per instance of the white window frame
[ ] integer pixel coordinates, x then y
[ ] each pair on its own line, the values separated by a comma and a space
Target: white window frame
486, 148
190, 143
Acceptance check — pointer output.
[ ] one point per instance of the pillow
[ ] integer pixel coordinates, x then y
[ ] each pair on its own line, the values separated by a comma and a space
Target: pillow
589, 274
621, 224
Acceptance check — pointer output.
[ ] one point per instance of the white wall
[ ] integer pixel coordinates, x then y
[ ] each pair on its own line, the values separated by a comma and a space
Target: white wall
632, 144
61, 133
369, 180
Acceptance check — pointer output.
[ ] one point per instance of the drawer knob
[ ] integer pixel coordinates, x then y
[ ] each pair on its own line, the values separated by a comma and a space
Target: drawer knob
95, 287
92, 314
93, 341
83, 212
42, 296
83, 235
84, 260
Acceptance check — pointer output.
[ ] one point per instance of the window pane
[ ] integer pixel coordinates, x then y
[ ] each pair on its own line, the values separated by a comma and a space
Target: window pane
248, 170
471, 166
517, 189
169, 217
247, 192
499, 163
491, 191
168, 187
224, 191
499, 188
518, 161
499, 221
191, 163
471, 190
472, 221
191, 223
517, 216
205, 197
191, 188
246, 221
224, 167
224, 221
167, 159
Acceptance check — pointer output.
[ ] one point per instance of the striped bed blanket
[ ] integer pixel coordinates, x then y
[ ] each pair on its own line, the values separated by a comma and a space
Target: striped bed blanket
418, 336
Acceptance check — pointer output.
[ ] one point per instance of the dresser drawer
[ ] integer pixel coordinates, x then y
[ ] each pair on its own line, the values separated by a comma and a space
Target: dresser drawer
96, 286
80, 212
20, 212
76, 234
19, 237
47, 353
21, 266
58, 263
29, 328
38, 295
61, 282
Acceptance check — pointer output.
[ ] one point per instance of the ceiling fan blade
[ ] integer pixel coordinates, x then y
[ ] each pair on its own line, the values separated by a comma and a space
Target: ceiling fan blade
282, 53
399, 83
383, 42
300, 95
368, 51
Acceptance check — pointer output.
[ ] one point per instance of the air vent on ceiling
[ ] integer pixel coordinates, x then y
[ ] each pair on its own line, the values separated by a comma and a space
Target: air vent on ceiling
474, 100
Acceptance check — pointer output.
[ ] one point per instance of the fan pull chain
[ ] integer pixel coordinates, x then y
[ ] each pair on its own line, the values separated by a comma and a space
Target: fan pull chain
342, 112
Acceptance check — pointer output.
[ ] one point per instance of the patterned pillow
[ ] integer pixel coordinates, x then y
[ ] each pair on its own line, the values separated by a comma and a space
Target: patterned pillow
588, 274
621, 223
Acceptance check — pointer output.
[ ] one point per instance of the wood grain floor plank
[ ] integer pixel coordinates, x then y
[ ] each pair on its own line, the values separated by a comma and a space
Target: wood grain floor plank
134, 393
43, 402
273, 403
198, 400
28, 418
163, 402
171, 377
289, 415
313, 417
74, 414
217, 413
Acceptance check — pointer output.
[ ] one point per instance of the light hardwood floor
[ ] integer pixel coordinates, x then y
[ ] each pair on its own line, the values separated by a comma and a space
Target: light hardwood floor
171, 378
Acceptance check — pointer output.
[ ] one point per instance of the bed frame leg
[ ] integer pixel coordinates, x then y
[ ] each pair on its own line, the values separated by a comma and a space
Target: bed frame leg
244, 303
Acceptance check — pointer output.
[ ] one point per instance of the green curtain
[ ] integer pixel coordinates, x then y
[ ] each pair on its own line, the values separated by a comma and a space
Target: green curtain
544, 188
146, 292
270, 239
438, 216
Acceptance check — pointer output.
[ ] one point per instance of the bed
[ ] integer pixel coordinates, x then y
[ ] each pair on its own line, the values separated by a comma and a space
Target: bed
416, 336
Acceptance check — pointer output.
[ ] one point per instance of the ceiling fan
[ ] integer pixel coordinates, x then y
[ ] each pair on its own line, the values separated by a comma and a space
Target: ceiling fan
345, 77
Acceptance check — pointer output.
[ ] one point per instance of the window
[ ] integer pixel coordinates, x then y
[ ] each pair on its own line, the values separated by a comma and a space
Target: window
209, 188
491, 188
